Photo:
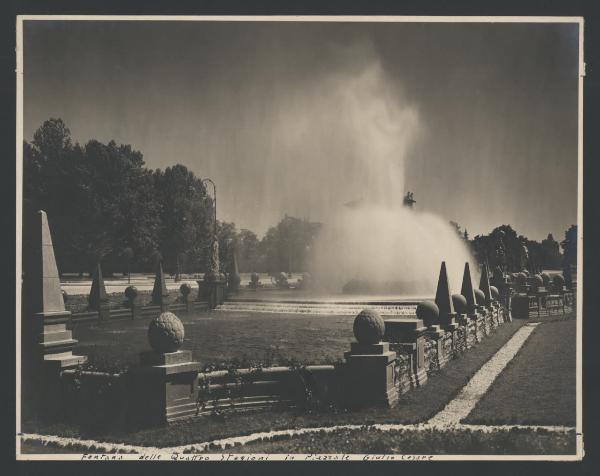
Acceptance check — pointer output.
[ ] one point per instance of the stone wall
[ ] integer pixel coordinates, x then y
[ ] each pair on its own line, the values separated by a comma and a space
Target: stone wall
314, 385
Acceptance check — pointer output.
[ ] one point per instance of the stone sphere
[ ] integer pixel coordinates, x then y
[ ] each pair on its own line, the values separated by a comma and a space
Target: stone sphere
460, 303
545, 278
131, 292
65, 296
495, 293
185, 289
165, 333
538, 280
429, 312
369, 327
480, 297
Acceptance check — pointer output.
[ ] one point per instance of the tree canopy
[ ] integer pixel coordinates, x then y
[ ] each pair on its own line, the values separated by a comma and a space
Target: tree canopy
103, 204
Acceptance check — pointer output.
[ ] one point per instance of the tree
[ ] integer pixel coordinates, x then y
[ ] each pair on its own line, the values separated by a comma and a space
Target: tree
227, 237
50, 182
185, 217
101, 200
127, 256
501, 247
550, 250
569, 246
249, 251
52, 140
285, 247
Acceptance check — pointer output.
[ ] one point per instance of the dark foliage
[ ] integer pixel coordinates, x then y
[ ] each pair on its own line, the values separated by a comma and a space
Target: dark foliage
104, 205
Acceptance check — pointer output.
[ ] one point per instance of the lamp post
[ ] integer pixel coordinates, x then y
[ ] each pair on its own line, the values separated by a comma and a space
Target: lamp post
214, 204
212, 286
213, 264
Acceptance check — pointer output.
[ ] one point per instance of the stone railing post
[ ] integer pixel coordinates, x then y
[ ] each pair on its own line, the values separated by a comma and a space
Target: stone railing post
166, 382
212, 289
520, 306
370, 365
133, 301
186, 294
408, 336
461, 307
429, 313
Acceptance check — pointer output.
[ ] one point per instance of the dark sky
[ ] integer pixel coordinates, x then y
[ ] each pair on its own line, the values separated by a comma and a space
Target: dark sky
478, 120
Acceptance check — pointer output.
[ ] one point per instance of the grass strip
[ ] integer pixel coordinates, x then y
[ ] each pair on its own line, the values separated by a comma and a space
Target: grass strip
429, 442
538, 387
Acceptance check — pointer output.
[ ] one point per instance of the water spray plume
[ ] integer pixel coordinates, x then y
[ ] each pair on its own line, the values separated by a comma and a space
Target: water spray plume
375, 240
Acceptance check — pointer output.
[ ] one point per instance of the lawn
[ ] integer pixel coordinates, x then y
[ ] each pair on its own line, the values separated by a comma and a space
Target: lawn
411, 442
220, 338
401, 442
415, 406
538, 386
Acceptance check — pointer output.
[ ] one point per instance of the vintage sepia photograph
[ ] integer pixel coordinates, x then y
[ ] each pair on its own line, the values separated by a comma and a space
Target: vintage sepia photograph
292, 238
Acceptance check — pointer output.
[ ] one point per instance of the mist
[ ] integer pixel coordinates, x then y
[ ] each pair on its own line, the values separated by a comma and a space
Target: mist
358, 187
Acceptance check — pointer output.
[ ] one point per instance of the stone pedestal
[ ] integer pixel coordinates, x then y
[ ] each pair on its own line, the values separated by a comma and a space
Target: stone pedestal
520, 306
541, 295
410, 335
166, 387
103, 312
55, 341
135, 307
482, 320
474, 318
188, 300
437, 334
212, 291
47, 344
462, 320
435, 331
448, 322
132, 301
494, 307
370, 375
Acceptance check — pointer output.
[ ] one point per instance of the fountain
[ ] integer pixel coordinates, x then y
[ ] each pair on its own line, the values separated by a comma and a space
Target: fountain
342, 146
388, 251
